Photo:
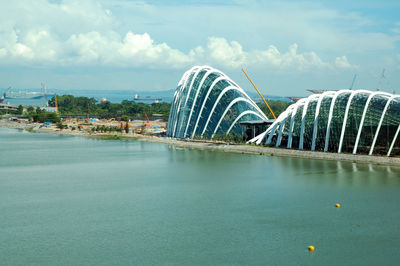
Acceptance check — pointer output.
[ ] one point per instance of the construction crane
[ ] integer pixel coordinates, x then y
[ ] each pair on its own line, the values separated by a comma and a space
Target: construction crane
55, 102
259, 94
352, 83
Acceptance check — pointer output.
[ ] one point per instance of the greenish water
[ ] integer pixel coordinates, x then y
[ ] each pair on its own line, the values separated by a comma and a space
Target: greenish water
79, 201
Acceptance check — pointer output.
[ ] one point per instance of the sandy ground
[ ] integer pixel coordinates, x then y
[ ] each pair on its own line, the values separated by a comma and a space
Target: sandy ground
207, 145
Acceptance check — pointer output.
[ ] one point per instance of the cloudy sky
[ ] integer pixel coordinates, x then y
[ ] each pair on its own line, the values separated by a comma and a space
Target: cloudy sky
286, 46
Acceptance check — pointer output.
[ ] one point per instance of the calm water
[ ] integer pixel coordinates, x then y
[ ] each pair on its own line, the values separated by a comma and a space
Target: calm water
77, 201
114, 96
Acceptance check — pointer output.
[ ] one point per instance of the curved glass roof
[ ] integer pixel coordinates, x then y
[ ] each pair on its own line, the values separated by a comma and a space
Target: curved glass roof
358, 122
207, 102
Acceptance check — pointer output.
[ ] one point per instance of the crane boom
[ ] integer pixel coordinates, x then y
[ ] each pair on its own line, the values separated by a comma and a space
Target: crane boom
259, 93
55, 102
352, 83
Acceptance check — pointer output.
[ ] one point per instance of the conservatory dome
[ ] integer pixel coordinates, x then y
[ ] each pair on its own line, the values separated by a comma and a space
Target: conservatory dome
358, 122
207, 102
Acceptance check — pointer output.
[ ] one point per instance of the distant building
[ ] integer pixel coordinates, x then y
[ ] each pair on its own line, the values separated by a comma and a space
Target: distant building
207, 102
358, 122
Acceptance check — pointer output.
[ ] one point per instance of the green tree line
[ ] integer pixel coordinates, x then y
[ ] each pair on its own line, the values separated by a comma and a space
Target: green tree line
277, 107
70, 105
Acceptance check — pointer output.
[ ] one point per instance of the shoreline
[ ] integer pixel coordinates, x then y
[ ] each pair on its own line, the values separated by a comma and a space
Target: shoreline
212, 145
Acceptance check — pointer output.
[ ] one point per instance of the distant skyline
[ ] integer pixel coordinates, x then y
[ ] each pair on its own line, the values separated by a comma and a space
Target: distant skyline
286, 46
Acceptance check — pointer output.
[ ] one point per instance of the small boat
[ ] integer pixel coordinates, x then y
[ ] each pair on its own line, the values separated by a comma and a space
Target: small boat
2, 99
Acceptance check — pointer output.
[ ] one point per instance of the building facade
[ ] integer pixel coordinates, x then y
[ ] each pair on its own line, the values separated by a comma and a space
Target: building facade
358, 122
207, 102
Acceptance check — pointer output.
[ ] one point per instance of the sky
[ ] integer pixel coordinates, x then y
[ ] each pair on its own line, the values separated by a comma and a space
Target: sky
286, 47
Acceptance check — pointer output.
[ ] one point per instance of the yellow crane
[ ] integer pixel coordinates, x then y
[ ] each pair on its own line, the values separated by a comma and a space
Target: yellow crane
55, 102
259, 93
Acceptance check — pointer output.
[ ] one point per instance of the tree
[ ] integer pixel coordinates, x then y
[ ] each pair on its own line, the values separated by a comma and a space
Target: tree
127, 127
125, 118
20, 110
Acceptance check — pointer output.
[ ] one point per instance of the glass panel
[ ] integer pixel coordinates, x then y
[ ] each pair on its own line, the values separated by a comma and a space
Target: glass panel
296, 127
309, 124
353, 121
373, 115
337, 121
389, 126
322, 122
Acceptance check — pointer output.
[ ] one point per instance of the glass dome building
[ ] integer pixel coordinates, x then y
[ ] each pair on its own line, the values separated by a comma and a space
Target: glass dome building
358, 122
207, 102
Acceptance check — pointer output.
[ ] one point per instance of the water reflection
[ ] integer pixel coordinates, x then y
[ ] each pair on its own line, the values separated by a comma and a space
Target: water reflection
338, 172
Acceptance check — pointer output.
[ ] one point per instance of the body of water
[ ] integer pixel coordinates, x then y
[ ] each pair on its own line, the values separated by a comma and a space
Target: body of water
114, 96
76, 201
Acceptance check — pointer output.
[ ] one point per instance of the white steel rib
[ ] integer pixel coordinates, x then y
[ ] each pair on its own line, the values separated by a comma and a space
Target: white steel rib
281, 128
346, 114
272, 132
373, 94
219, 98
328, 127
305, 108
180, 100
316, 118
187, 96
394, 141
240, 116
380, 123
208, 73
239, 99
289, 144
206, 99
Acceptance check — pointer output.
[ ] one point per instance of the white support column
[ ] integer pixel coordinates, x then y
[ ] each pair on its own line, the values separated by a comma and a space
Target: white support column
315, 128
208, 73
240, 116
305, 108
206, 99
328, 128
177, 115
271, 134
281, 128
394, 141
346, 114
239, 99
289, 145
363, 118
187, 96
220, 97
380, 124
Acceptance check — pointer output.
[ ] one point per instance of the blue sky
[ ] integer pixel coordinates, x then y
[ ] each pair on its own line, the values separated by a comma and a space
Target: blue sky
286, 46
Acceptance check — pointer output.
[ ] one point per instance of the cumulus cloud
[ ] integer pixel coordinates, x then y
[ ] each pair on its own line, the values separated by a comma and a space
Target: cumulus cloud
229, 54
342, 62
92, 39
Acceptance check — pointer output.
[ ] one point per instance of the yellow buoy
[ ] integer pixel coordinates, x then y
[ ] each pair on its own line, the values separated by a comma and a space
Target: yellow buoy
337, 205
311, 248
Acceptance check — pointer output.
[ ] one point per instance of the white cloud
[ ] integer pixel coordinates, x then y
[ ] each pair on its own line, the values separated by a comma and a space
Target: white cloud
232, 55
224, 53
74, 33
342, 62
